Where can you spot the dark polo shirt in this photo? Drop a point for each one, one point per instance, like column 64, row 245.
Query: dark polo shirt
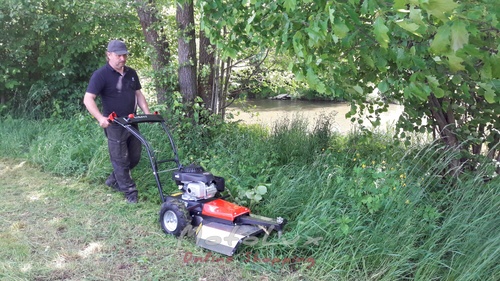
column 117, row 92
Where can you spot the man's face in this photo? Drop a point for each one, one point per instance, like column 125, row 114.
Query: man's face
column 117, row 61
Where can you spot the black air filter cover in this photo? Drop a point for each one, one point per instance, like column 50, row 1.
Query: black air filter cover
column 192, row 169
column 193, row 173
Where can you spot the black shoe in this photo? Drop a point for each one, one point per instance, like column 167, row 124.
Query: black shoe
column 111, row 182
column 131, row 198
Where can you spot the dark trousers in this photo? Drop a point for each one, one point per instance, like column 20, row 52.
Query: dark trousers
column 124, row 153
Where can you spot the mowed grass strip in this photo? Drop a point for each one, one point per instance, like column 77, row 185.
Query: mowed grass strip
column 60, row 229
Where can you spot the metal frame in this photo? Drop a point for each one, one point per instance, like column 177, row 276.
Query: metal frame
column 127, row 122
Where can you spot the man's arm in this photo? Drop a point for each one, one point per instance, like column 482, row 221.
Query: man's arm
column 141, row 101
column 91, row 105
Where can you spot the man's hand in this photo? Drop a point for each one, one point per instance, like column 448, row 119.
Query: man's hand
column 103, row 122
column 90, row 104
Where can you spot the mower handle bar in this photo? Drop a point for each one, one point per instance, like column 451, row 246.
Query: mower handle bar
column 127, row 122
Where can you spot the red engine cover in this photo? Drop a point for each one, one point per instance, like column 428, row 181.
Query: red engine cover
column 223, row 210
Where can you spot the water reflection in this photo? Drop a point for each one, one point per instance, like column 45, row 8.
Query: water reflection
column 268, row 112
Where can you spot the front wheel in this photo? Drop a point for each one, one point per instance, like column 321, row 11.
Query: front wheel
column 174, row 217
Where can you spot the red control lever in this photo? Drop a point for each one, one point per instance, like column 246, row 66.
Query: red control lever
column 112, row 117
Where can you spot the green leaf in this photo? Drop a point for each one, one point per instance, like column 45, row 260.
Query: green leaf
column 455, row 63
column 249, row 194
column 441, row 40
column 417, row 92
column 261, row 189
column 257, row 197
column 459, row 35
column 434, row 84
column 432, row 80
column 486, row 70
column 340, row 29
column 416, row 16
column 358, row 89
column 383, row 86
column 400, row 4
column 495, row 65
column 11, row 84
column 489, row 93
column 314, row 82
column 439, row 8
column 381, row 31
column 409, row 26
column 230, row 52
column 368, row 59
column 290, row 5
column 298, row 44
column 344, row 228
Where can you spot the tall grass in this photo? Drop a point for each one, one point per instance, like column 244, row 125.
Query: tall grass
column 390, row 220
column 18, row 135
column 361, row 207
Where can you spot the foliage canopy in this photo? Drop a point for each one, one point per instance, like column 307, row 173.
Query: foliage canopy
column 48, row 50
column 439, row 58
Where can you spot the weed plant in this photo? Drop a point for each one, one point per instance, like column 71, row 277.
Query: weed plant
column 360, row 207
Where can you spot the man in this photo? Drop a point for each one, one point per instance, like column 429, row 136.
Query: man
column 120, row 91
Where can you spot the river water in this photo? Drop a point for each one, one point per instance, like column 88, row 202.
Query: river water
column 268, row 112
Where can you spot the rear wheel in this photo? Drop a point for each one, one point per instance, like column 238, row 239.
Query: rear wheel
column 174, row 217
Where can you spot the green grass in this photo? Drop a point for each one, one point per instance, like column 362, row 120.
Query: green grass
column 359, row 207
column 61, row 229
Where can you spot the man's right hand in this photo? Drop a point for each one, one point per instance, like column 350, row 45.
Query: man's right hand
column 90, row 104
column 103, row 122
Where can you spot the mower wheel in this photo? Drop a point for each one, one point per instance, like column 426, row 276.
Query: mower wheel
column 174, row 217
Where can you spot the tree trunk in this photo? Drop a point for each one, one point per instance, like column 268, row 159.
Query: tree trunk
column 148, row 17
column 186, row 52
column 206, row 72
column 225, row 86
column 446, row 127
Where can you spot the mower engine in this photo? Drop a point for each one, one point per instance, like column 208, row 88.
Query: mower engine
column 194, row 191
column 197, row 184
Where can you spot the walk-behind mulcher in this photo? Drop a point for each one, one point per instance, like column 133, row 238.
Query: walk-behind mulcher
column 199, row 209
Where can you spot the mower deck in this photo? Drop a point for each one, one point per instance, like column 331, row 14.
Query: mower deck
column 224, row 238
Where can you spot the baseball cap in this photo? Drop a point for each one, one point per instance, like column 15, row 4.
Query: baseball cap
column 117, row 47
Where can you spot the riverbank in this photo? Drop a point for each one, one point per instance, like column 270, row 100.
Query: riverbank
column 358, row 207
